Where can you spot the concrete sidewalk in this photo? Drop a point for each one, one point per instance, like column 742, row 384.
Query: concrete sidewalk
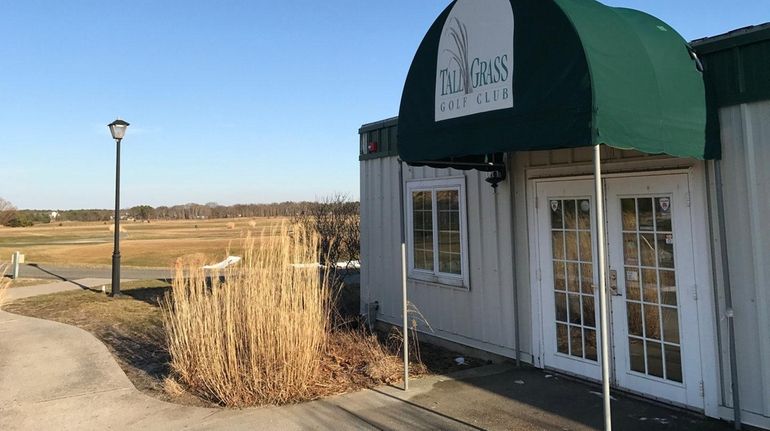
column 58, row 377
column 55, row 287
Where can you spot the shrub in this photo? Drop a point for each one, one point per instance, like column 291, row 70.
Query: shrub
column 19, row 221
column 257, row 334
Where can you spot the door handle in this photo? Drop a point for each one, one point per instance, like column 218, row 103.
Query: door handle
column 614, row 283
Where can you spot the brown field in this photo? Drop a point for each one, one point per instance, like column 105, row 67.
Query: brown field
column 155, row 244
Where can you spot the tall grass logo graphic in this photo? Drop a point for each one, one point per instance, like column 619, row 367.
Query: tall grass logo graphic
column 459, row 33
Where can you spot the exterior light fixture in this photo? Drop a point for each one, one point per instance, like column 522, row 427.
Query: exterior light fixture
column 496, row 177
column 118, row 129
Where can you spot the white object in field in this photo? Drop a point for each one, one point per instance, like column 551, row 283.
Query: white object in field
column 342, row 265
column 460, row 360
column 231, row 260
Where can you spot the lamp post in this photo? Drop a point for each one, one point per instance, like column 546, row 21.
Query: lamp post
column 117, row 130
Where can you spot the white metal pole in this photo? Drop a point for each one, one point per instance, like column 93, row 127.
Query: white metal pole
column 404, row 298
column 603, row 298
column 406, row 319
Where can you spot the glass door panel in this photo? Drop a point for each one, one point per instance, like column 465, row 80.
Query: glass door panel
column 572, row 264
column 653, row 325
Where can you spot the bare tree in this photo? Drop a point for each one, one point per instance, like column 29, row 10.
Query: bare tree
column 336, row 220
column 7, row 211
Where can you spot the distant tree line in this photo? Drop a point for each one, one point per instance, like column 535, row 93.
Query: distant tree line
column 215, row 210
column 10, row 216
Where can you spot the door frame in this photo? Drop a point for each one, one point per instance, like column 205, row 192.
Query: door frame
column 701, row 238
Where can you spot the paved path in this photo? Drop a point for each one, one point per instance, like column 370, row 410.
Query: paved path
column 65, row 273
column 55, row 287
column 42, row 270
column 58, row 377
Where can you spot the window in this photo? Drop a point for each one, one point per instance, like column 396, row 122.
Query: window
column 436, row 231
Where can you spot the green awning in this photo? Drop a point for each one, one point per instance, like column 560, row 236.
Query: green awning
column 580, row 74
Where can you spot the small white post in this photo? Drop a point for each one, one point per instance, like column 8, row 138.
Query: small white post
column 603, row 306
column 15, row 260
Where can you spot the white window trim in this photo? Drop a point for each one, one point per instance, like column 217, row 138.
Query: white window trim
column 433, row 185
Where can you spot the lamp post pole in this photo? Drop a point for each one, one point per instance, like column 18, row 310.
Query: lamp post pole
column 116, row 249
column 118, row 130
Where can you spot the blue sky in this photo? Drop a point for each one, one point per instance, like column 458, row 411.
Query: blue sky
column 229, row 101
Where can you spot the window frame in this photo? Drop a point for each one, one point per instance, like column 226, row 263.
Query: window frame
column 461, row 280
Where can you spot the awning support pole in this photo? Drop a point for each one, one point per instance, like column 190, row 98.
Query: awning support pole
column 729, row 314
column 403, row 274
column 603, row 306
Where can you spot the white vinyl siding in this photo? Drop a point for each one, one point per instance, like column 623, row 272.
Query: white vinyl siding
column 745, row 154
column 480, row 316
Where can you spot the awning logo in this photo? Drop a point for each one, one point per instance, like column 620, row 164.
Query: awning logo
column 460, row 59
column 475, row 59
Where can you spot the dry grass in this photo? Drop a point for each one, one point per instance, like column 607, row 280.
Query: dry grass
column 25, row 282
column 356, row 358
column 258, row 336
column 263, row 333
column 173, row 388
column 155, row 244
column 112, row 228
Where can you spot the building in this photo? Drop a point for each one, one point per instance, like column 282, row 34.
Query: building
column 493, row 153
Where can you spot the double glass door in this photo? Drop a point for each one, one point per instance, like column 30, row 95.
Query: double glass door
column 653, row 314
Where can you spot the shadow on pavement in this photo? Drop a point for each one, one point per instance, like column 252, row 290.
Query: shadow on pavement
column 532, row 397
column 82, row 286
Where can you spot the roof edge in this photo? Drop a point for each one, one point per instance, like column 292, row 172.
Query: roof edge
column 367, row 127
column 733, row 38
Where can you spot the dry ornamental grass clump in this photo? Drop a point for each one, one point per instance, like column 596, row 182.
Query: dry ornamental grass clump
column 257, row 334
